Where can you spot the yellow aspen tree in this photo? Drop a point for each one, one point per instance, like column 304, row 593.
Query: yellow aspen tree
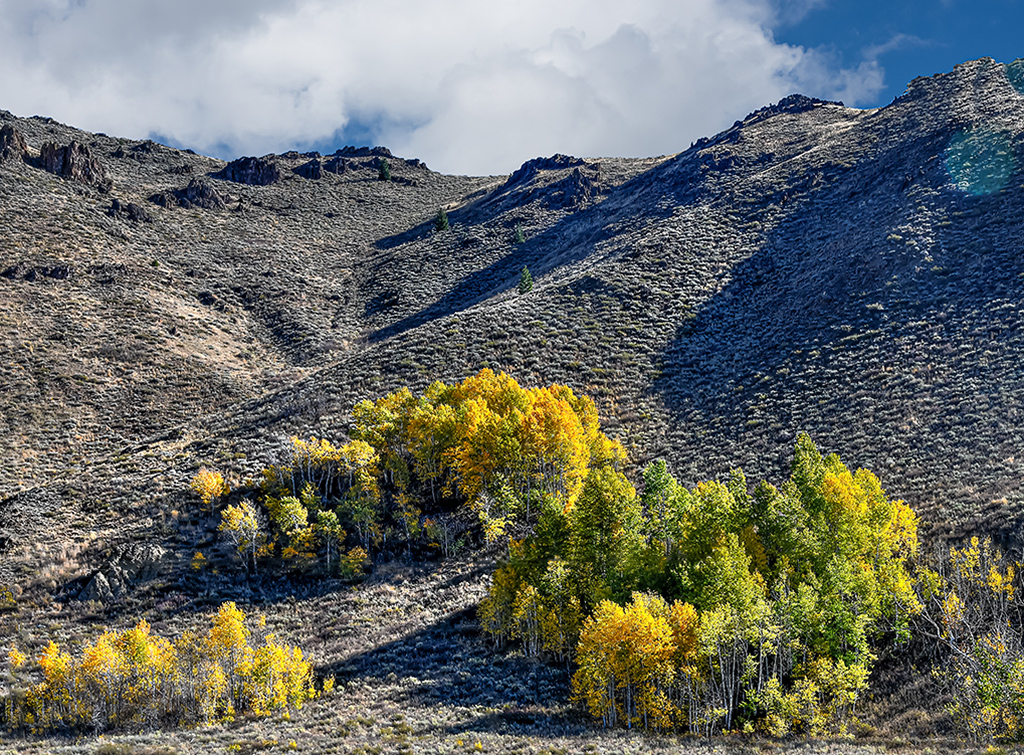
column 496, row 612
column 209, row 485
column 526, row 620
column 244, row 526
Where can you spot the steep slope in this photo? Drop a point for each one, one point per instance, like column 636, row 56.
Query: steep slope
column 855, row 274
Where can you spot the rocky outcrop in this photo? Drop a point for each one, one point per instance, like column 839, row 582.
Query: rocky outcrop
column 531, row 168
column 369, row 158
column 363, row 152
column 128, row 211
column 574, row 190
column 336, row 165
column 313, row 170
column 545, row 180
column 794, row 103
column 198, row 193
column 74, row 163
column 253, row 171
column 12, row 144
column 128, row 565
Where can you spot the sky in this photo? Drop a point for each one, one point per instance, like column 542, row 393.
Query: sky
column 470, row 86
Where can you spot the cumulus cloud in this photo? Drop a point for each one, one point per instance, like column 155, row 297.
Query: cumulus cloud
column 470, row 87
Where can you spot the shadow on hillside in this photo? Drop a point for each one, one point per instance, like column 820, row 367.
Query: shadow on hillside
column 450, row 663
column 838, row 326
column 569, row 240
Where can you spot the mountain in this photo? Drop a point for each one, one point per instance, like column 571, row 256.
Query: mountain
column 855, row 274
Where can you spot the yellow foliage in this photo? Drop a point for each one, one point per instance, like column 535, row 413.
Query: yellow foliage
column 244, row 525
column 208, row 485
column 975, row 610
column 487, row 439
column 136, row 678
column 625, row 663
column 351, row 563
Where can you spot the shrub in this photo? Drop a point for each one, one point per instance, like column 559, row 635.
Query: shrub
column 975, row 611
column 441, row 221
column 384, row 172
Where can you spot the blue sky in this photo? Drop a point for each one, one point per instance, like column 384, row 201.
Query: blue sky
column 469, row 86
column 908, row 39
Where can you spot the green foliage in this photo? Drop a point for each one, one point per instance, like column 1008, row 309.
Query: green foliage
column 717, row 606
column 441, row 221
column 520, row 236
column 525, row 281
column 318, row 492
column 975, row 611
column 384, row 173
column 134, row 678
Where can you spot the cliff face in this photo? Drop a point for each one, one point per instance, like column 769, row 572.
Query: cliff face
column 855, row 274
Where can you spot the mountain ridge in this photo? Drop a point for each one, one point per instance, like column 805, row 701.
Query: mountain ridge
column 814, row 267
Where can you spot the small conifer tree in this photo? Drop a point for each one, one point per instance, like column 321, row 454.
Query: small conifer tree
column 441, row 221
column 525, row 280
column 520, row 236
column 384, row 174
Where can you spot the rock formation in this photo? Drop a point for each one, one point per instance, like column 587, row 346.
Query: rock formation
column 254, row 171
column 129, row 211
column 74, row 163
column 128, row 565
column 312, row 170
column 198, row 193
column 12, row 145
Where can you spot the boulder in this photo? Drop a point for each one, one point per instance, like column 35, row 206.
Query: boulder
column 129, row 211
column 254, row 171
column 12, row 144
column 128, row 565
column 165, row 199
column 200, row 193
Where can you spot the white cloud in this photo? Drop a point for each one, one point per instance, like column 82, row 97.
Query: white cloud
column 468, row 86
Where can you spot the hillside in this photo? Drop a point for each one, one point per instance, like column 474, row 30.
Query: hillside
column 814, row 268
column 855, row 274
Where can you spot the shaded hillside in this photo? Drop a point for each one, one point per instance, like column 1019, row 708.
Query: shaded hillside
column 850, row 273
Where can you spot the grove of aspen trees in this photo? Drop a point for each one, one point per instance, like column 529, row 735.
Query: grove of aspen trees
column 716, row 608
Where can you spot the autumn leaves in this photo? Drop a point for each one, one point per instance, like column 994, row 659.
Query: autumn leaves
column 490, row 442
column 134, row 678
column 705, row 609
